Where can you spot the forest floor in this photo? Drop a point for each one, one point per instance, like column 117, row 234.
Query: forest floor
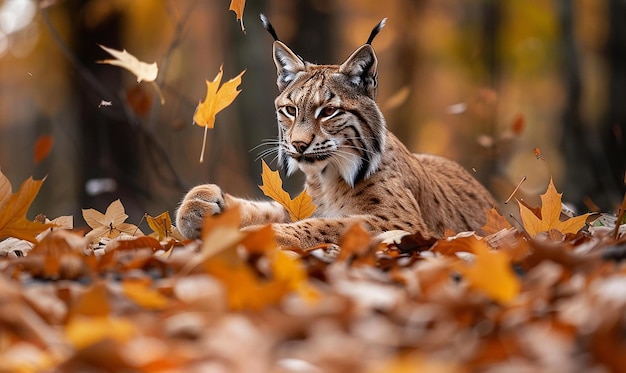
column 546, row 296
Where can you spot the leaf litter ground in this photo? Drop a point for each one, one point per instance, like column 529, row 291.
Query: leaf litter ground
column 498, row 300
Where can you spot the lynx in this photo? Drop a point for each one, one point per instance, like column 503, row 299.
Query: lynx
column 331, row 129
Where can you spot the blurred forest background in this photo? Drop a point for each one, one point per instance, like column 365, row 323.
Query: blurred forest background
column 509, row 88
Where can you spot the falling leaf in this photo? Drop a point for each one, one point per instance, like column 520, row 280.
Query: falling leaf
column 217, row 99
column 110, row 224
column 161, row 225
column 142, row 70
column 13, row 209
column 490, row 273
column 298, row 208
column 42, row 148
column 518, row 124
column 237, row 6
column 550, row 215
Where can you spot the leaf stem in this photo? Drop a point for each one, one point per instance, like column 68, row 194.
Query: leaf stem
column 206, row 128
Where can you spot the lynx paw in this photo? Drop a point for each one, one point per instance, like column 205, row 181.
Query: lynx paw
column 201, row 201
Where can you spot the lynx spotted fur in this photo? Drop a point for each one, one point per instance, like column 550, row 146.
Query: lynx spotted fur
column 330, row 128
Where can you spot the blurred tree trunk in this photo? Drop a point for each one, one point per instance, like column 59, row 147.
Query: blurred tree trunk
column 614, row 126
column 109, row 144
column 587, row 173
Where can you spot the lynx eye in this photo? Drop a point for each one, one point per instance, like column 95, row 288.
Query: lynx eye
column 289, row 111
column 328, row 112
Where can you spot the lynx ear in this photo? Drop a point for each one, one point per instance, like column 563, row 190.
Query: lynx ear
column 288, row 64
column 362, row 68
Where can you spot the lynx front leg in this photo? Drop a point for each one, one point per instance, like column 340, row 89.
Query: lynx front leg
column 317, row 231
column 208, row 199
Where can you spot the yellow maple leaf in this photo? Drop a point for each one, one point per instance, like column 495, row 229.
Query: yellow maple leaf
column 237, row 7
column 217, row 99
column 490, row 272
column 110, row 224
column 142, row 70
column 298, row 208
column 13, row 209
column 161, row 225
column 550, row 215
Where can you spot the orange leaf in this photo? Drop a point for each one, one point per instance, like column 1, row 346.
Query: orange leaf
column 495, row 222
column 13, row 209
column 42, row 148
column 237, row 7
column 550, row 215
column 490, row 273
column 83, row 332
column 217, row 99
column 142, row 294
column 298, row 208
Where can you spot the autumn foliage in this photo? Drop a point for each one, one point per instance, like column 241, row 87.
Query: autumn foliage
column 115, row 299
column 545, row 293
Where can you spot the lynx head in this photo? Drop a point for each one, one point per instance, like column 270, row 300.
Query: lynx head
column 328, row 120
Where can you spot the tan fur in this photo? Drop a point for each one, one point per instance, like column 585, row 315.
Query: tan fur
column 356, row 171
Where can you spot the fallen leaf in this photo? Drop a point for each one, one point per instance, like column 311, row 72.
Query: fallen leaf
column 495, row 222
column 298, row 208
column 237, row 6
column 550, row 215
column 217, row 99
column 42, row 148
column 110, row 224
column 142, row 70
column 490, row 273
column 13, row 209
column 161, row 225
column 141, row 293
column 83, row 332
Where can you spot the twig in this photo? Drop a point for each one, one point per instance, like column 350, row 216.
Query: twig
column 515, row 190
column 622, row 210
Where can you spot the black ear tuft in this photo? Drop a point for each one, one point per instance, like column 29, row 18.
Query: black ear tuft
column 375, row 30
column 268, row 26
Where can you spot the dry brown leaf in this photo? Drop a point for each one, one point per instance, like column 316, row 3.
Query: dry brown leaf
column 143, row 71
column 495, row 222
column 298, row 208
column 110, row 224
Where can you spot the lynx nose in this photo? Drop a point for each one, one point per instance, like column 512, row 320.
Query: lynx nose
column 300, row 146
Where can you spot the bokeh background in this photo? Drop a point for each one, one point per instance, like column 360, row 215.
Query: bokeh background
column 509, row 88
